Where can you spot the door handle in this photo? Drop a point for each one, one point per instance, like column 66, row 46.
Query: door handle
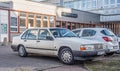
column 37, row 41
column 25, row 40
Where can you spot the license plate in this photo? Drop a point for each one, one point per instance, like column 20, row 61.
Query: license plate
column 101, row 53
column 115, row 47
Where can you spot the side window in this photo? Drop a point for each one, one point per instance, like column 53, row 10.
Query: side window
column 88, row 33
column 24, row 35
column 32, row 34
column 77, row 32
column 42, row 35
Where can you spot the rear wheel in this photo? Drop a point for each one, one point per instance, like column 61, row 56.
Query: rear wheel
column 66, row 56
column 22, row 51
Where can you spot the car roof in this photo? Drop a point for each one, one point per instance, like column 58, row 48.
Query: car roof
column 47, row 28
column 98, row 29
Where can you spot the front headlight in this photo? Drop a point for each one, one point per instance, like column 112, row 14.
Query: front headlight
column 87, row 47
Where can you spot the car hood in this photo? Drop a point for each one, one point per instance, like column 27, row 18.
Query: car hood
column 79, row 40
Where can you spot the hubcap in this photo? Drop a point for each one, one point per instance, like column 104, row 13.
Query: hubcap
column 66, row 56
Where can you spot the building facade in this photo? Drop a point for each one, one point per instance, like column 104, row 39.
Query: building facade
column 16, row 16
column 109, row 10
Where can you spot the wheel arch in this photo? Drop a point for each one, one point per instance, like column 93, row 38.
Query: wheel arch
column 62, row 47
column 19, row 46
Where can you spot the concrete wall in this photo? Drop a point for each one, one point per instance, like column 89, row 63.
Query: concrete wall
column 83, row 17
column 30, row 6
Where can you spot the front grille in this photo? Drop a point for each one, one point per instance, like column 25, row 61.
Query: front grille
column 98, row 46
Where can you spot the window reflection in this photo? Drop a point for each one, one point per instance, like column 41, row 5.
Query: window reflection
column 63, row 24
column 31, row 20
column 58, row 24
column 22, row 21
column 52, row 21
column 38, row 21
column 45, row 21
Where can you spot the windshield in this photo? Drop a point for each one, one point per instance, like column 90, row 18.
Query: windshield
column 107, row 32
column 57, row 33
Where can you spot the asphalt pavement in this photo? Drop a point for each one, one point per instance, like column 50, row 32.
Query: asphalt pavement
column 10, row 61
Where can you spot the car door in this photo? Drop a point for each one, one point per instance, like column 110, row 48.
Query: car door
column 88, row 34
column 29, row 40
column 44, row 44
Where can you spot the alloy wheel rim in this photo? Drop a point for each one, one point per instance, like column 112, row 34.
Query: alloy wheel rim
column 66, row 56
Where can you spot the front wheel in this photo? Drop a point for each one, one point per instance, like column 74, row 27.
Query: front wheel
column 66, row 56
column 22, row 52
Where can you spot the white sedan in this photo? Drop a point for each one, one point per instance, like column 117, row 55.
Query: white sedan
column 58, row 42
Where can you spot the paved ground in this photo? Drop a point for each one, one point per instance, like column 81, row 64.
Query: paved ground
column 10, row 61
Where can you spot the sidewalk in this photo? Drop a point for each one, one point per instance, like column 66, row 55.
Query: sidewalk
column 67, row 68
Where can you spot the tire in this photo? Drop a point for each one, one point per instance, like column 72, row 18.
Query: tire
column 109, row 54
column 66, row 56
column 22, row 51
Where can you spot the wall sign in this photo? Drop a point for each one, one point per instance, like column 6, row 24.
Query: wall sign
column 69, row 15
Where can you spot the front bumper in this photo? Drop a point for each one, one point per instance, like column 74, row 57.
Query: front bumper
column 14, row 48
column 84, row 55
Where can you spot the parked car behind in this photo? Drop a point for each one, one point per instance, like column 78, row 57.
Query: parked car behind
column 59, row 42
column 101, row 34
column 118, row 35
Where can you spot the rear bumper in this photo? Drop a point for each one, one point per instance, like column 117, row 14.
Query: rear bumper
column 114, row 49
column 14, row 48
column 85, row 55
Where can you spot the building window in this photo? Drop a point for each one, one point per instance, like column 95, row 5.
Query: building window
column 52, row 19
column 73, row 26
column 31, row 20
column 63, row 24
column 78, row 25
column 69, row 25
column 118, row 5
column 14, row 21
column 112, row 1
column 118, row 1
column 106, row 2
column 58, row 24
column 94, row 4
column 38, row 20
column 22, row 21
column 45, row 21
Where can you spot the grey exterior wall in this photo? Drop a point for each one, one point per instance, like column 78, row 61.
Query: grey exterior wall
column 83, row 17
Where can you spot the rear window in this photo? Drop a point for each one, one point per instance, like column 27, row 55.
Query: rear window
column 107, row 32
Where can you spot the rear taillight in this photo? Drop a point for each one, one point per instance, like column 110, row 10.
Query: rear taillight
column 107, row 39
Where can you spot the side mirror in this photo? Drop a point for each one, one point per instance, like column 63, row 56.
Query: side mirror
column 49, row 38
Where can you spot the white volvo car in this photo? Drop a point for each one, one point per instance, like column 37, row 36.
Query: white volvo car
column 59, row 42
column 100, row 34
